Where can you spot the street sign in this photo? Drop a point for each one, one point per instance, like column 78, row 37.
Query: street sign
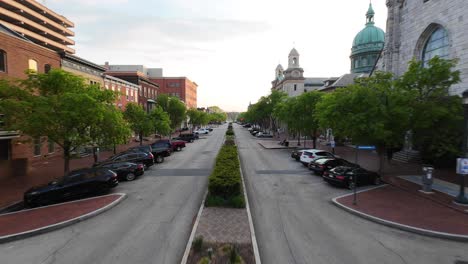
column 366, row 147
column 462, row 166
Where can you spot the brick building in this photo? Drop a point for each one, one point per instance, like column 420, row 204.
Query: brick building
column 90, row 71
column 18, row 54
column 128, row 91
column 148, row 90
column 180, row 87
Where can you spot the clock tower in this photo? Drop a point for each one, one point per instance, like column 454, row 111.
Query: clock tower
column 293, row 81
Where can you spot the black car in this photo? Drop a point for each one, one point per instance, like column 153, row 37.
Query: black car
column 131, row 155
column 77, row 183
column 157, row 154
column 344, row 176
column 296, row 154
column 187, row 137
column 126, row 170
column 323, row 164
column 161, row 149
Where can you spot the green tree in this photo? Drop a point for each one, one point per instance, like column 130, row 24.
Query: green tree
column 197, row 118
column 373, row 111
column 174, row 107
column 437, row 117
column 113, row 130
column 162, row 122
column 140, row 121
column 58, row 105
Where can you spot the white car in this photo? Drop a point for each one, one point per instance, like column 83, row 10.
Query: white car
column 309, row 155
column 201, row 131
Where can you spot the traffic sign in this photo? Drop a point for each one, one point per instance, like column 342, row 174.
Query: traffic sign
column 366, row 147
column 462, row 166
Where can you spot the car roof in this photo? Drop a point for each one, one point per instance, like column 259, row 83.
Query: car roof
column 323, row 160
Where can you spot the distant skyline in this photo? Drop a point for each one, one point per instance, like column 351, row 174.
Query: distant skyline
column 229, row 48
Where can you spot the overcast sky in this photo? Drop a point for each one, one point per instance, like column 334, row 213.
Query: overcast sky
column 230, row 48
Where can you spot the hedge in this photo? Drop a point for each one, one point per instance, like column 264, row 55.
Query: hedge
column 225, row 182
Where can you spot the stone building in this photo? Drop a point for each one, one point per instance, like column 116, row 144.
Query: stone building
column 422, row 29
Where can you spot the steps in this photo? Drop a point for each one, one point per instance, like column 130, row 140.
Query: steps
column 407, row 156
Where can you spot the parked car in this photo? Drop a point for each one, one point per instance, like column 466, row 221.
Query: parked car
column 247, row 125
column 134, row 155
column 296, row 154
column 344, row 176
column 210, row 129
column 161, row 149
column 187, row 137
column 177, row 145
column 264, row 135
column 75, row 184
column 201, row 131
column 254, row 132
column 312, row 154
column 126, row 170
column 319, row 166
column 143, row 148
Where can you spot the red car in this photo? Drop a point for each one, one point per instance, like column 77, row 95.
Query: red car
column 177, row 145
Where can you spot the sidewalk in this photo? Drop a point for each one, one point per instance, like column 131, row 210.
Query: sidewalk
column 43, row 219
column 395, row 207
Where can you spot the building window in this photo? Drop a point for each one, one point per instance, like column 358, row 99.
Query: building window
column 47, row 68
column 51, row 146
column 436, row 45
column 295, row 87
column 356, row 63
column 37, row 146
column 32, row 65
column 3, row 61
column 364, row 61
column 173, row 84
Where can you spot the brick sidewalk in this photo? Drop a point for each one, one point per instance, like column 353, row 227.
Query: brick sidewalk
column 224, row 225
column 396, row 205
column 20, row 222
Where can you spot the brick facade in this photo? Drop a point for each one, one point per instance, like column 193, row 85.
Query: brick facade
column 181, row 87
column 128, row 91
column 18, row 52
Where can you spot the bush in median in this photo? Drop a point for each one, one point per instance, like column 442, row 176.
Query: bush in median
column 225, row 183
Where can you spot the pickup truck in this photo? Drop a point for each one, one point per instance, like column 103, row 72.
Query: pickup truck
column 177, row 145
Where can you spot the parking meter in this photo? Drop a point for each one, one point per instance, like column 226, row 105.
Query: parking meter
column 427, row 179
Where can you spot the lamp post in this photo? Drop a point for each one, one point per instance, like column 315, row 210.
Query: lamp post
column 461, row 199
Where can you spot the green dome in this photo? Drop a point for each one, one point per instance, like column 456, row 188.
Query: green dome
column 367, row 45
column 369, row 35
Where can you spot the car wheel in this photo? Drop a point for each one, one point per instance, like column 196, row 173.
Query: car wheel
column 377, row 180
column 130, row 177
column 159, row 159
column 178, row 148
column 191, row 140
column 350, row 185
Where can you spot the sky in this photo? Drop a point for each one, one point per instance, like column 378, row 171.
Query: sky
column 230, row 48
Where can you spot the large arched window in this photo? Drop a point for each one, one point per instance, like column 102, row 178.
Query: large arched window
column 436, row 45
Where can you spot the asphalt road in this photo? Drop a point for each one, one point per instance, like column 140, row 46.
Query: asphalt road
column 151, row 226
column 295, row 221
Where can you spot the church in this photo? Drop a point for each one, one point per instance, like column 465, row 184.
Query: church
column 422, row 29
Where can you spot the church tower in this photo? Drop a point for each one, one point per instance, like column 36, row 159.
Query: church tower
column 293, row 59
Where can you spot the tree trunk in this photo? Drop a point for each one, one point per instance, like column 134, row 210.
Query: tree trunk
column 140, row 135
column 298, row 138
column 66, row 158
column 95, row 154
column 381, row 151
column 314, row 139
column 115, row 149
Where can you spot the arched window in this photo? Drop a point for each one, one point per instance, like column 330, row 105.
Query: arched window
column 3, row 61
column 294, row 61
column 32, row 65
column 47, row 68
column 436, row 45
column 356, row 63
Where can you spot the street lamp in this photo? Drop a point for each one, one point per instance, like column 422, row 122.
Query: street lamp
column 461, row 199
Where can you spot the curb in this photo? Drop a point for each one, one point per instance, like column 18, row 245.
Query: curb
column 63, row 224
column 276, row 147
column 194, row 230
column 420, row 231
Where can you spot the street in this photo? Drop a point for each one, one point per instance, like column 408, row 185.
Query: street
column 151, row 226
column 295, row 222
